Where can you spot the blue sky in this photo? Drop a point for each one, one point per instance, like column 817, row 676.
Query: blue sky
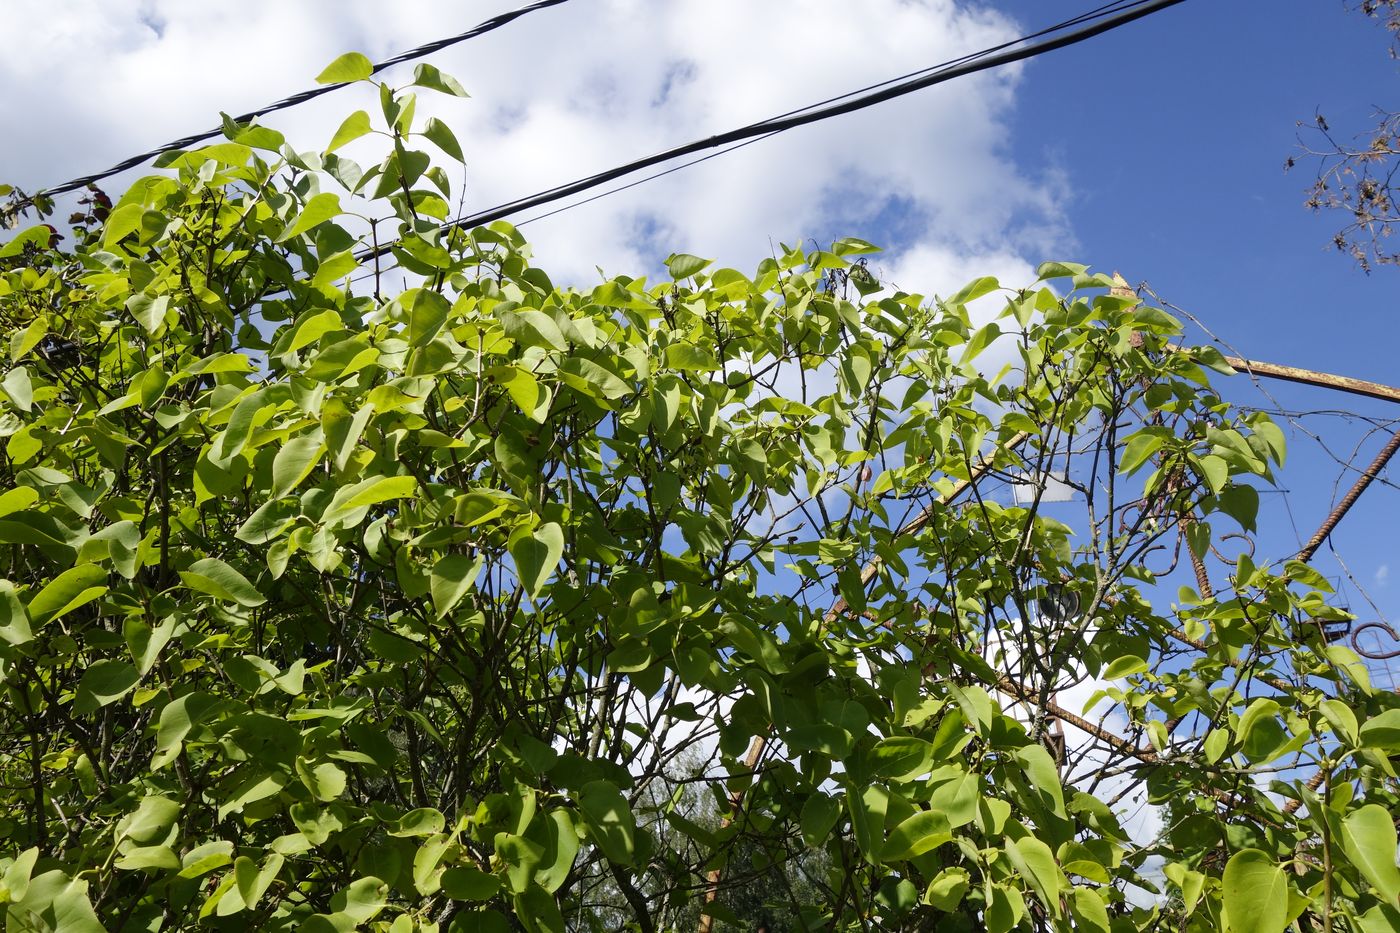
column 1156, row 150
column 1174, row 135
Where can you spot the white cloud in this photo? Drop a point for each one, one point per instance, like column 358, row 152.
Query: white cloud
column 1382, row 574
column 570, row 90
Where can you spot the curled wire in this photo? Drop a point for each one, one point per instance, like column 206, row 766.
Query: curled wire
column 1375, row 655
column 1174, row 552
column 1249, row 547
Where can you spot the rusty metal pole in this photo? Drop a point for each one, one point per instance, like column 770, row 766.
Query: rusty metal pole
column 1365, row 479
column 1309, row 377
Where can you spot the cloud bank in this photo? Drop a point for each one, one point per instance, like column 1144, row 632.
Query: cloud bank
column 574, row 89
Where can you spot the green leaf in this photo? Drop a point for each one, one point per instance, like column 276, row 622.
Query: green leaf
column 319, row 209
column 536, row 555
column 975, row 289
column 1191, row 882
column 1004, row 908
column 259, row 137
column 148, row 312
column 1255, row 893
column 1044, row 776
column 426, row 75
column 206, row 857
column 538, row 911
column 525, row 390
column 250, row 411
column 558, row 840
column 259, row 786
column 19, row 388
column 1089, row 912
column 14, row 618
column 980, row 341
column 469, row 884
column 819, row 816
column 1059, row 270
column 591, row 379
column 609, row 820
column 1215, row 471
column 531, row 328
column 325, row 780
column 103, row 683
column 294, row 462
column 145, row 643
column 253, row 881
column 429, row 313
column 946, row 890
column 1140, row 448
column 1259, row 731
column 452, row 578
column 1381, row 918
column 825, row 737
column 1382, row 732
column 354, row 126
column 1342, row 720
column 1369, row 840
column 67, row 591
column 1035, row 862
column 852, row 246
column 177, row 719
column 54, row 902
column 1241, row 503
column 1217, row 740
column 901, row 757
column 684, row 265
column 421, row 822
column 266, row 523
column 867, row 810
column 123, row 220
column 26, row 340
column 35, row 528
column 1124, row 666
column 314, row 327
column 20, row 497
column 688, row 357
column 366, row 493
column 149, row 858
column 343, row 430
column 362, row 900
column 976, row 706
column 521, row 858
column 333, row 268
column 920, row 833
column 213, row 577
column 352, row 66
column 1273, row 438
column 151, row 819
column 957, row 799
column 443, row 137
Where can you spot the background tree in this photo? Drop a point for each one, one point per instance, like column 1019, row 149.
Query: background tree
column 1358, row 177
column 487, row 604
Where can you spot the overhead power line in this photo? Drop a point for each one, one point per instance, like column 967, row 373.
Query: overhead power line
column 1093, row 25
column 1083, row 17
column 302, row 97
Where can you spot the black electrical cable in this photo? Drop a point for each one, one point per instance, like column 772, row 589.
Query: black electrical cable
column 1106, row 9
column 481, row 28
column 848, row 103
column 1083, row 17
column 646, row 178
